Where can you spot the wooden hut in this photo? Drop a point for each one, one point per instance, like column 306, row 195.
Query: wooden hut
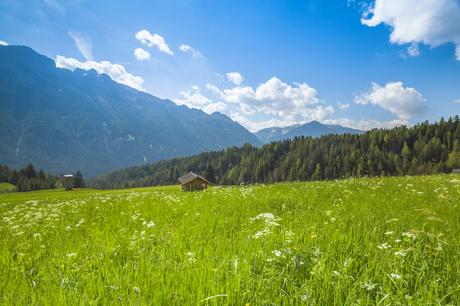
column 67, row 181
column 456, row 171
column 192, row 182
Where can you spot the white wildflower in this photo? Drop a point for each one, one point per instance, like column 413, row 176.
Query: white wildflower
column 389, row 233
column 384, row 246
column 409, row 235
column 395, row 276
column 277, row 253
column 401, row 253
column 150, row 224
column 71, row 254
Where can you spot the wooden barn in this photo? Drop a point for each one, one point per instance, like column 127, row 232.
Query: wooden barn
column 192, row 182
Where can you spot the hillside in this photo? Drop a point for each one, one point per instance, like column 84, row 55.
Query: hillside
column 312, row 129
column 346, row 242
column 422, row 149
column 63, row 121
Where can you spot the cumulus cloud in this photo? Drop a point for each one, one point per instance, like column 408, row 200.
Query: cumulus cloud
column 83, row 44
column 141, row 54
column 191, row 50
column 431, row 22
column 404, row 102
column 3, row 43
column 117, row 72
column 367, row 124
column 235, row 77
column 153, row 40
column 343, row 106
column 272, row 102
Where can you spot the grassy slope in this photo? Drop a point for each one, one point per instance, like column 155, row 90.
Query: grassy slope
column 6, row 187
column 342, row 242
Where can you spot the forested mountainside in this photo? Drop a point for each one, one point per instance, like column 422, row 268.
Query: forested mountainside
column 422, row 149
column 63, row 121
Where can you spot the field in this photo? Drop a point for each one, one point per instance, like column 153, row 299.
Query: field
column 354, row 241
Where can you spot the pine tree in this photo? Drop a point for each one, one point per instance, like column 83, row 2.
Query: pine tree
column 78, row 181
column 453, row 160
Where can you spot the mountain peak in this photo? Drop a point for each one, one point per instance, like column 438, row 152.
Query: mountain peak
column 313, row 129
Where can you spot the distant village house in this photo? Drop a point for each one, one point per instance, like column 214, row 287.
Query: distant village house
column 192, row 182
column 457, row 171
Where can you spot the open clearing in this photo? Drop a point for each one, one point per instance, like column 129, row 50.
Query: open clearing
column 354, row 241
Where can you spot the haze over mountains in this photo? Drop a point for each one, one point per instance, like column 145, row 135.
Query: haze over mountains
column 313, row 129
column 65, row 120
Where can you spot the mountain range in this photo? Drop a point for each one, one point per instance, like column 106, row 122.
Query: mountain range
column 313, row 129
column 64, row 121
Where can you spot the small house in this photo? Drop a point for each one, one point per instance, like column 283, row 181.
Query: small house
column 456, row 171
column 192, row 182
column 67, row 181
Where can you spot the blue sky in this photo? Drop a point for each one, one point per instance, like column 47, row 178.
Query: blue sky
column 263, row 63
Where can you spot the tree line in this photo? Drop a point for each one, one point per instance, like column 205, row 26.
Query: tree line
column 422, row 149
column 28, row 179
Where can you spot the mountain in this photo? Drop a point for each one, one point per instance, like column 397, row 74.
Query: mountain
column 64, row 121
column 313, row 129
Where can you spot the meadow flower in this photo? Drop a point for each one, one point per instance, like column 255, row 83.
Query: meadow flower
column 136, row 290
column 368, row 286
column 150, row 224
column 401, row 253
column 397, row 240
column 71, row 254
column 384, row 246
column 191, row 257
column 395, row 276
column 277, row 253
column 389, row 233
column 409, row 235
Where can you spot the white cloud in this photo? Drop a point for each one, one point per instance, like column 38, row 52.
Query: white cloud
column 367, row 124
column 272, row 102
column 141, row 54
column 413, row 50
column 432, row 22
column 153, row 40
column 83, row 44
column 457, row 101
column 3, row 43
column 343, row 106
column 235, row 77
column 404, row 102
column 193, row 98
column 191, row 50
column 117, row 72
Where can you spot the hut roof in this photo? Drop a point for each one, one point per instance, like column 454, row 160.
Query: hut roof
column 190, row 177
column 68, row 175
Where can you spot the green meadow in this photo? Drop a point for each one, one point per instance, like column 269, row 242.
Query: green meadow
column 370, row 241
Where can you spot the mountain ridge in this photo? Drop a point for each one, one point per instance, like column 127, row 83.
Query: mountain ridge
column 313, row 129
column 63, row 120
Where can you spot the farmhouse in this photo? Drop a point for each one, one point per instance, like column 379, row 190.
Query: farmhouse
column 192, row 181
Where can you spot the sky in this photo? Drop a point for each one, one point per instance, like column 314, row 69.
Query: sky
column 362, row 64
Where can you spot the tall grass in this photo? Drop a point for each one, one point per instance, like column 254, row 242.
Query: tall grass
column 354, row 241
